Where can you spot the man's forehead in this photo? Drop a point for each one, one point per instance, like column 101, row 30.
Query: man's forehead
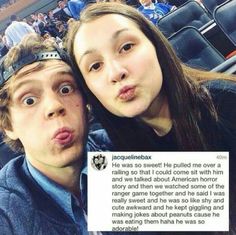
column 58, row 65
column 38, row 72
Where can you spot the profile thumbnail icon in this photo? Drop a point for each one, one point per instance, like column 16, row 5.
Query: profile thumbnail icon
column 99, row 162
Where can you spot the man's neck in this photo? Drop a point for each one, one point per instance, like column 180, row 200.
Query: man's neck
column 68, row 177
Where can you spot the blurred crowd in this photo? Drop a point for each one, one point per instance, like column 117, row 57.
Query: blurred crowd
column 5, row 4
column 54, row 23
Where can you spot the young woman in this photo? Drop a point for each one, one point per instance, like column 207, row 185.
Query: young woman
column 129, row 68
column 142, row 94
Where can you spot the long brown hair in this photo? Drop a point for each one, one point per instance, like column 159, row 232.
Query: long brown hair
column 189, row 102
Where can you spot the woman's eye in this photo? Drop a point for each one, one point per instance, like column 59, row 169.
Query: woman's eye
column 29, row 101
column 95, row 67
column 127, row 47
column 66, row 89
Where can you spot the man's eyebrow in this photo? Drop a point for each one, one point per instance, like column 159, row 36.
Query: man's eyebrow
column 64, row 72
column 22, row 83
column 114, row 36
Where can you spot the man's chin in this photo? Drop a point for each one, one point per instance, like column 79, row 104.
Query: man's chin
column 75, row 156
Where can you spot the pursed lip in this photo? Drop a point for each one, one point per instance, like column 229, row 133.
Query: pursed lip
column 126, row 92
column 63, row 136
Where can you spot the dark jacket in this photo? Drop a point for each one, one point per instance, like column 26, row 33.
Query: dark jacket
column 25, row 208
column 61, row 15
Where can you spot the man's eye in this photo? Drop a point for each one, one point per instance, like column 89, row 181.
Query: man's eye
column 95, row 67
column 29, row 101
column 127, row 47
column 66, row 89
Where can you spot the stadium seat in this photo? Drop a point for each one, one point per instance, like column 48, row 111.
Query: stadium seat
column 194, row 49
column 177, row 3
column 189, row 14
column 210, row 5
column 229, row 66
column 225, row 16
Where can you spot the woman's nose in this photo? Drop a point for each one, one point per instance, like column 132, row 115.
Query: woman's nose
column 117, row 72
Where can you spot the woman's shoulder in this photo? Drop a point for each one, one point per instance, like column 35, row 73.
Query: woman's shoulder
column 223, row 93
column 219, row 87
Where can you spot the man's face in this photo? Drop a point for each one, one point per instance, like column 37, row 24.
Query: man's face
column 145, row 2
column 50, row 13
column 47, row 115
column 34, row 17
column 40, row 16
column 61, row 4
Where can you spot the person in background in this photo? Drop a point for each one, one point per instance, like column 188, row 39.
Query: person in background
column 35, row 23
column 3, row 47
column 64, row 13
column 42, row 23
column 51, row 16
column 61, row 29
column 154, row 11
column 16, row 31
column 46, row 24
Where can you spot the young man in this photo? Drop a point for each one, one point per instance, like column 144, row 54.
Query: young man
column 63, row 12
column 42, row 112
column 16, row 31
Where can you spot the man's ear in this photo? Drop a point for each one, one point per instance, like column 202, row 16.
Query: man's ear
column 11, row 134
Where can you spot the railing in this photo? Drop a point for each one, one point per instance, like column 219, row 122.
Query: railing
column 14, row 8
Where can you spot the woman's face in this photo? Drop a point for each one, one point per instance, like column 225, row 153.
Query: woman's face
column 119, row 64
